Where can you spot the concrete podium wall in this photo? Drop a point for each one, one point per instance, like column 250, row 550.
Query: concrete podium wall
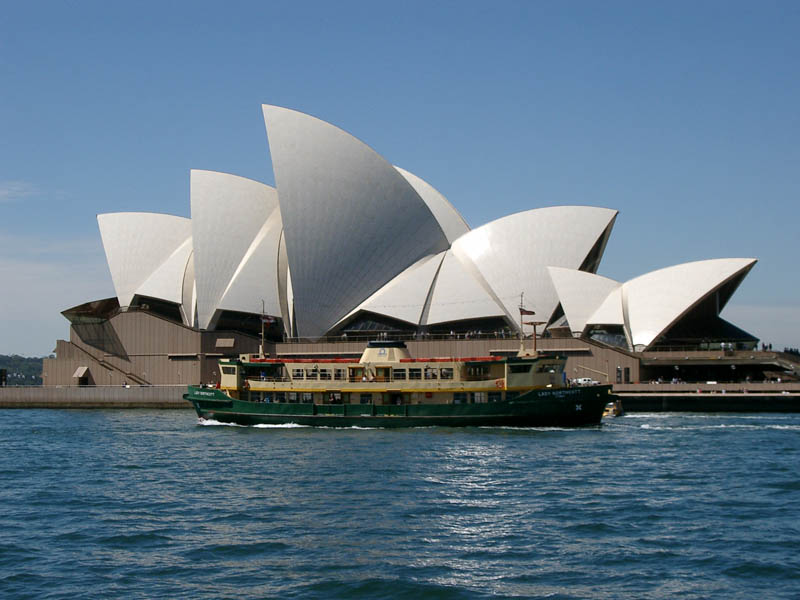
column 162, row 396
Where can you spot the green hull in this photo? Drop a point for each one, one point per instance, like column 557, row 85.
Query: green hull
column 566, row 407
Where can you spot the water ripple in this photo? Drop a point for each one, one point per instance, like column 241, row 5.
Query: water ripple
column 140, row 504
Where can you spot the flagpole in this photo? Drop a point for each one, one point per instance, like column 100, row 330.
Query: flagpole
column 522, row 312
column 262, row 329
column 521, row 328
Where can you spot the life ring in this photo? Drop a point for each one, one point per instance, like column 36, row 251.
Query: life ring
column 498, row 383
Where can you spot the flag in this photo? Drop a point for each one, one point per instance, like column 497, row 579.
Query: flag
column 524, row 311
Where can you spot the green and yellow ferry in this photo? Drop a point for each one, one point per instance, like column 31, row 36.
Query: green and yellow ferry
column 388, row 388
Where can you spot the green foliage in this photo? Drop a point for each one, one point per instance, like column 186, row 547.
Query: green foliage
column 22, row 370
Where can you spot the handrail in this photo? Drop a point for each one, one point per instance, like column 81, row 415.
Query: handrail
column 405, row 336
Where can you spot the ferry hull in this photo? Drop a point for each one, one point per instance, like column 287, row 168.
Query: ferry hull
column 563, row 407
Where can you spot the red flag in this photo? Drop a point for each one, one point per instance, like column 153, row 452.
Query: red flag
column 524, row 311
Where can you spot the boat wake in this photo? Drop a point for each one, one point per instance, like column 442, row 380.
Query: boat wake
column 214, row 423
column 710, row 415
column 733, row 426
column 513, row 428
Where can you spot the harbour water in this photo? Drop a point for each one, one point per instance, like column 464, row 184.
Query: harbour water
column 152, row 504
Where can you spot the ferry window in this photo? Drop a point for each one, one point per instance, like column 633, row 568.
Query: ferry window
column 519, row 368
column 308, row 397
column 399, row 374
column 495, row 396
column 267, row 397
column 478, row 397
column 512, row 395
column 297, row 373
column 431, row 373
column 447, row 373
column 229, row 370
column 325, row 374
column 338, row 374
column 292, row 396
column 415, row 373
column 459, row 398
column 311, row 373
column 549, row 369
column 280, row 396
column 255, row 396
column 479, row 371
column 366, row 398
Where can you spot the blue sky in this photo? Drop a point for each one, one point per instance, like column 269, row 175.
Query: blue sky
column 682, row 115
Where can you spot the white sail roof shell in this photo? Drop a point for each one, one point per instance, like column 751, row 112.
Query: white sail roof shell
column 167, row 281
column 347, row 231
column 581, row 295
column 656, row 300
column 610, row 311
column 458, row 295
column 450, row 220
column 236, row 230
column 405, row 296
column 511, row 254
column 256, row 278
column 136, row 245
column 352, row 221
column 435, row 289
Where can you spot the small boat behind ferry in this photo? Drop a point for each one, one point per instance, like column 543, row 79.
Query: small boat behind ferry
column 386, row 387
column 614, row 409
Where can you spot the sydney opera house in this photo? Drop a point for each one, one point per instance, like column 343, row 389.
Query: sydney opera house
column 347, row 247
